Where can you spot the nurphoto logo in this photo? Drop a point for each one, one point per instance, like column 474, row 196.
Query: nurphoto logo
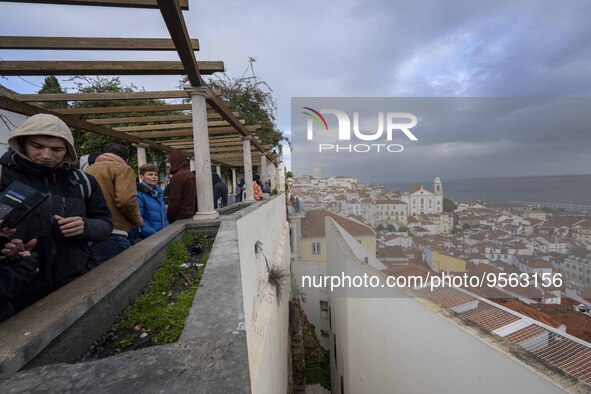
column 395, row 122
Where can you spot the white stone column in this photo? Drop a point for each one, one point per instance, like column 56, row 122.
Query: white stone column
column 192, row 164
column 206, row 209
column 233, row 180
column 141, row 155
column 247, row 169
column 263, row 172
column 273, row 175
column 218, row 169
column 281, row 177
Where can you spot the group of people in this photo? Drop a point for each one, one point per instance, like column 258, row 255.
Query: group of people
column 258, row 188
column 88, row 217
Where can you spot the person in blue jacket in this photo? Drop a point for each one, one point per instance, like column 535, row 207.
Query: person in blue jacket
column 151, row 202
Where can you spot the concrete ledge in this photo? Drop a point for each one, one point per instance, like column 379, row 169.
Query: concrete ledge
column 221, row 294
column 212, row 354
column 105, row 291
column 210, row 365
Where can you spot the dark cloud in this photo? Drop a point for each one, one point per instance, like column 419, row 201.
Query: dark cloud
column 457, row 138
column 518, row 48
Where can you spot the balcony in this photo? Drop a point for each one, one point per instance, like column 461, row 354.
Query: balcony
column 235, row 338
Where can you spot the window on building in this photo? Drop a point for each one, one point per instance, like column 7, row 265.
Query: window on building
column 324, row 333
column 315, row 247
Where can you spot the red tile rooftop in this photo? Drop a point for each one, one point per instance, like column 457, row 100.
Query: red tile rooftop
column 391, row 237
column 409, row 270
column 539, row 263
column 521, row 335
column 415, row 189
column 529, row 311
column 313, row 224
column 449, row 297
column 489, row 317
column 391, row 252
column 569, row 356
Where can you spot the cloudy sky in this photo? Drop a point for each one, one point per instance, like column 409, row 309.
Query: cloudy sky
column 358, row 48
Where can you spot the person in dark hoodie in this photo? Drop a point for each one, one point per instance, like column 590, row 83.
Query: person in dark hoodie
column 41, row 155
column 220, row 191
column 17, row 269
column 182, row 197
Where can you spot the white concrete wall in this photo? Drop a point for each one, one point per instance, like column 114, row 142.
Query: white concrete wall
column 266, row 320
column 312, row 295
column 390, row 344
column 9, row 121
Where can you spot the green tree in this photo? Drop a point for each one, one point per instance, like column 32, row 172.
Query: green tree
column 52, row 85
column 449, row 205
column 253, row 98
column 87, row 142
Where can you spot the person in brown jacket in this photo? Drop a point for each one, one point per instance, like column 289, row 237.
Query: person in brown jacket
column 182, row 196
column 117, row 181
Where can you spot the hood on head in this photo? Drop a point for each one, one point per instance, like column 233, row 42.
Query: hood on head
column 177, row 161
column 215, row 178
column 44, row 125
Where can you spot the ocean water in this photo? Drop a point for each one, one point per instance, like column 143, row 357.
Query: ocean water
column 565, row 189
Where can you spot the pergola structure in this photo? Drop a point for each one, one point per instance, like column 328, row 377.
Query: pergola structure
column 206, row 130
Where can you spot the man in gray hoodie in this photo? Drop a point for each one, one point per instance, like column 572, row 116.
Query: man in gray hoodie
column 41, row 155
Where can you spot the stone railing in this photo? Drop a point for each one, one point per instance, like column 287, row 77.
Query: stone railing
column 234, row 329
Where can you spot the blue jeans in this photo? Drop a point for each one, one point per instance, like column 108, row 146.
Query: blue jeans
column 108, row 248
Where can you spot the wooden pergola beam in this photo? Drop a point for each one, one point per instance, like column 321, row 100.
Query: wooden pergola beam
column 220, row 106
column 48, row 67
column 184, row 133
column 152, row 119
column 125, row 109
column 256, row 157
column 212, row 141
column 238, row 150
column 184, row 4
column 14, row 105
column 107, row 96
column 53, row 97
column 173, row 17
column 90, row 43
column 224, row 139
column 168, row 126
column 211, row 145
column 163, row 134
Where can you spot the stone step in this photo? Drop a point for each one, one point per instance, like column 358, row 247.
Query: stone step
column 316, row 389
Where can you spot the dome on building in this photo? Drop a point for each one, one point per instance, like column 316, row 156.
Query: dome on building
column 316, row 172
